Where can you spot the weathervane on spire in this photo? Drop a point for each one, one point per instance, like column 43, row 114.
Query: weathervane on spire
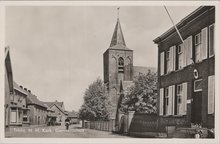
column 118, row 11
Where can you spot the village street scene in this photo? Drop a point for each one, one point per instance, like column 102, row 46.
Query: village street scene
column 110, row 72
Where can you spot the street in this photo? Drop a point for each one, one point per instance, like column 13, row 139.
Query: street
column 75, row 131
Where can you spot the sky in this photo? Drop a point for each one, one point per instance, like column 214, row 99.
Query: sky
column 57, row 51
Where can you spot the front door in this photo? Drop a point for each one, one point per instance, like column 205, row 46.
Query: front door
column 197, row 108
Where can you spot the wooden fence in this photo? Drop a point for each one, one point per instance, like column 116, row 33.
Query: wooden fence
column 136, row 122
column 100, row 125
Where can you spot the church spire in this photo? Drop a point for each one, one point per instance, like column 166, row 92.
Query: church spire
column 117, row 37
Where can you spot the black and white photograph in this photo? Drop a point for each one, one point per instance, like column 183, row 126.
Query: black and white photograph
column 113, row 71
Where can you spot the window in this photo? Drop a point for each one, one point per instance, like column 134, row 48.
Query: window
column 19, row 116
column 179, row 98
column 198, row 47
column 24, row 101
column 211, row 41
column 162, row 63
column 161, row 101
column 168, row 61
column 121, row 65
column 180, row 56
column 198, row 85
column 166, row 100
column 13, row 116
column 35, row 119
column 25, row 119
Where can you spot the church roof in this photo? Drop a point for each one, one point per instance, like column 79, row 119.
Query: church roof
column 137, row 70
column 118, row 41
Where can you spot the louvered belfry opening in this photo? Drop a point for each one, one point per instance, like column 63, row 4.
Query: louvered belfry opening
column 121, row 65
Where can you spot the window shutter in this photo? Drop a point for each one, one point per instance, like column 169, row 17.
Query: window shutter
column 184, row 99
column 211, row 94
column 162, row 63
column 161, row 101
column 188, row 46
column 173, row 99
column 184, row 53
column 211, row 40
column 170, row 101
column 173, row 58
column 204, row 43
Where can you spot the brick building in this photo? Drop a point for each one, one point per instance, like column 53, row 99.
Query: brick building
column 118, row 67
column 186, row 71
column 20, row 95
column 38, row 111
column 15, row 97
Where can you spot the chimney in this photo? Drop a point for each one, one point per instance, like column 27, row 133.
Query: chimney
column 25, row 89
column 29, row 91
column 21, row 86
column 55, row 100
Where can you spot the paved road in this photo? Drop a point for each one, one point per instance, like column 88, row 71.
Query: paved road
column 59, row 132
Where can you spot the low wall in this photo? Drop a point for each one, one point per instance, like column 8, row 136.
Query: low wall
column 142, row 122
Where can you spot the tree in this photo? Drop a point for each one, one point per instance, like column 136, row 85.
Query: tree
column 141, row 97
column 96, row 103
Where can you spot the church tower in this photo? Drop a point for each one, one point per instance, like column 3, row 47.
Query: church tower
column 118, row 65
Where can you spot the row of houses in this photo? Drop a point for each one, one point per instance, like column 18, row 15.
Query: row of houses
column 23, row 108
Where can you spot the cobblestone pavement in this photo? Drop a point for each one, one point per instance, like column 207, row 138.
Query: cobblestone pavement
column 58, row 132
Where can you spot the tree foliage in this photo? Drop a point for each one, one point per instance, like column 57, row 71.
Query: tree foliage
column 141, row 97
column 96, row 103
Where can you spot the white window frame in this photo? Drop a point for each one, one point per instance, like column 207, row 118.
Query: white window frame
column 13, row 116
column 166, row 99
column 162, row 63
column 194, row 88
column 179, row 96
column 168, row 61
column 212, row 25
column 180, row 53
column 198, row 45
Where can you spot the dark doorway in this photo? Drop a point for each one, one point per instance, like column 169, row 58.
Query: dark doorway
column 38, row 121
column 197, row 107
